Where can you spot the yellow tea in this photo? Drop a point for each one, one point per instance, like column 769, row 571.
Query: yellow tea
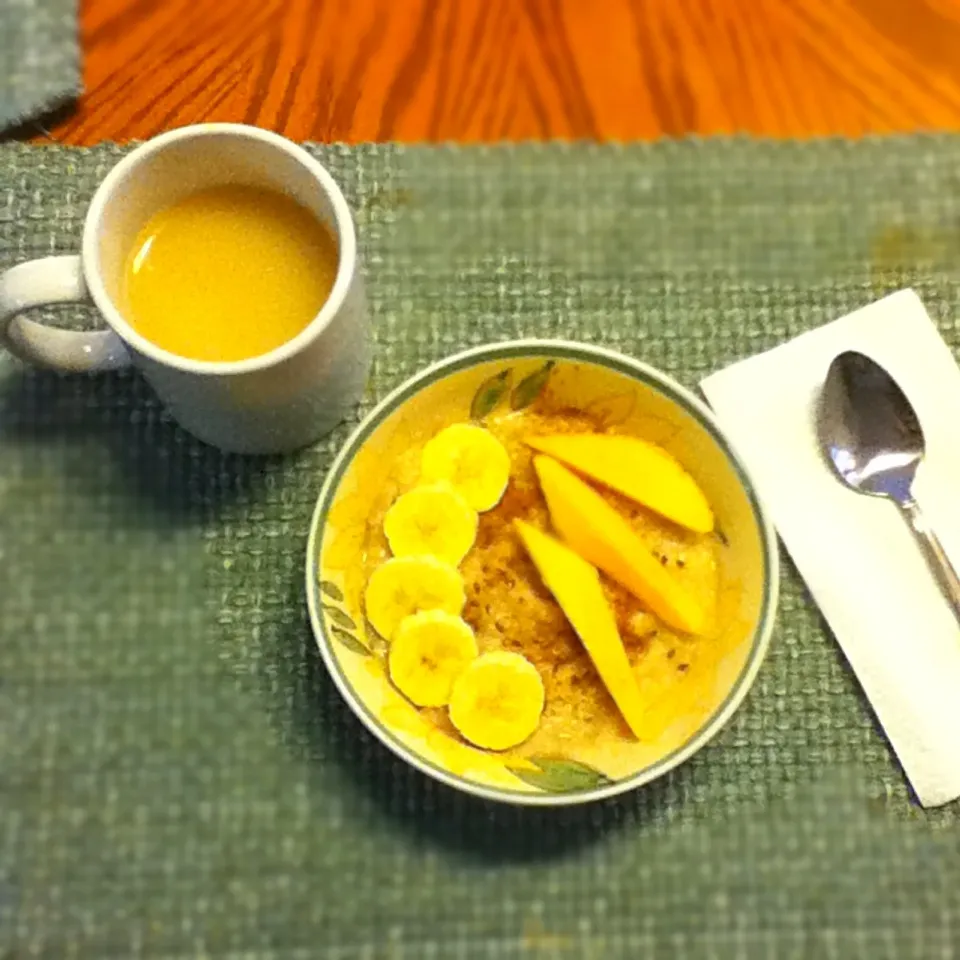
column 228, row 273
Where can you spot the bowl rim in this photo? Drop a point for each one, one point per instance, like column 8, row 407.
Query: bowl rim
column 574, row 351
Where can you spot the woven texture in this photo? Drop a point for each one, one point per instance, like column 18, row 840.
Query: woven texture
column 179, row 776
column 39, row 58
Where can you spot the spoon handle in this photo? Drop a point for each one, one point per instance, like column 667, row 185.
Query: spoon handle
column 936, row 556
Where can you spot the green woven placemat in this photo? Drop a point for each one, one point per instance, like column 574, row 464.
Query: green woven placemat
column 39, row 58
column 179, row 777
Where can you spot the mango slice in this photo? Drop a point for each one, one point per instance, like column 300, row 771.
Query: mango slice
column 639, row 470
column 604, row 538
column 576, row 586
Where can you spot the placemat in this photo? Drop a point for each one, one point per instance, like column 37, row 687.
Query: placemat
column 179, row 776
column 39, row 58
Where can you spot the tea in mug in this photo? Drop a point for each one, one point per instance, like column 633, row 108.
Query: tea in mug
column 228, row 273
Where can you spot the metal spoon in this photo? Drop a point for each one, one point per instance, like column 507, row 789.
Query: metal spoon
column 870, row 433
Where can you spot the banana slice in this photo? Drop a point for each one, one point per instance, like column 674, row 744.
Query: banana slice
column 406, row 585
column 431, row 521
column 497, row 701
column 472, row 460
column 429, row 651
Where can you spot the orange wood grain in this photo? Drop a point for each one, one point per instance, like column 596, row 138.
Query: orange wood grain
column 487, row 70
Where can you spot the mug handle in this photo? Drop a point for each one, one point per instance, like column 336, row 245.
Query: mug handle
column 37, row 283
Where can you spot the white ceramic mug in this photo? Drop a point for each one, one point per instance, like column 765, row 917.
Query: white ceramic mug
column 279, row 401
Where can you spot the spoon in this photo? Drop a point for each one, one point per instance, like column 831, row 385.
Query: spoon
column 870, row 433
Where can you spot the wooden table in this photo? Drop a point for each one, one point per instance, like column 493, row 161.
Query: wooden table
column 471, row 70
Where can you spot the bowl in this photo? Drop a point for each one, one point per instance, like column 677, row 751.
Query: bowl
column 381, row 459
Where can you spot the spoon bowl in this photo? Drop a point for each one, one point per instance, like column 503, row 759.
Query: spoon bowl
column 869, row 429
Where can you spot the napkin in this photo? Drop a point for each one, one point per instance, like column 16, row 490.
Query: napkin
column 855, row 552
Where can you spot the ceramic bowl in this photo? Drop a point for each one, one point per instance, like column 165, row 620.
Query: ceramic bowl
column 617, row 390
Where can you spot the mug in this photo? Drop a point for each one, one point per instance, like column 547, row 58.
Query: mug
column 272, row 403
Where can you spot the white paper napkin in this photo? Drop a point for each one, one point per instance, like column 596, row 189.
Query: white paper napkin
column 860, row 561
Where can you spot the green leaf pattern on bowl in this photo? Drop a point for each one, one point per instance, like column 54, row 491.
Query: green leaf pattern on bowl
column 349, row 640
column 531, row 386
column 489, row 394
column 556, row 775
column 340, row 624
column 340, row 617
column 329, row 589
